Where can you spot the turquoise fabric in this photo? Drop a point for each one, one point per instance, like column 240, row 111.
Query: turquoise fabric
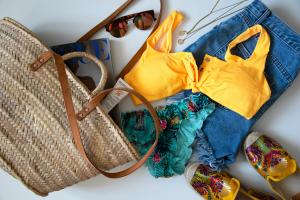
column 186, row 135
column 179, row 121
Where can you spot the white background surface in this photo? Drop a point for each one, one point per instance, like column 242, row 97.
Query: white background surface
column 58, row 21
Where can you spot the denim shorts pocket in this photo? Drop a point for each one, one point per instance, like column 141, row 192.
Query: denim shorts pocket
column 282, row 71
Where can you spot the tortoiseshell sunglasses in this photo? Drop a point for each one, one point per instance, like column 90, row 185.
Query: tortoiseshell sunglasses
column 142, row 20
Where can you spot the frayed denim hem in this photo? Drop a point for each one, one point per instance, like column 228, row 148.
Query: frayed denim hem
column 203, row 153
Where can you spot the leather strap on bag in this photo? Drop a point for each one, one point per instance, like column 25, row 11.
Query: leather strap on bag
column 90, row 106
column 94, row 102
column 139, row 53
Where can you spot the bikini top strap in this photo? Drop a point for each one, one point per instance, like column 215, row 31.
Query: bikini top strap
column 262, row 45
column 161, row 39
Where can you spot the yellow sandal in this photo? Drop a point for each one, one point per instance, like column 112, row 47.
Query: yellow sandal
column 212, row 185
column 269, row 159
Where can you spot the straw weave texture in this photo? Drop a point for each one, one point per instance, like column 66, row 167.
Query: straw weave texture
column 36, row 143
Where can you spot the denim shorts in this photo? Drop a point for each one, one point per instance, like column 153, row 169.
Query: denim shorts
column 225, row 129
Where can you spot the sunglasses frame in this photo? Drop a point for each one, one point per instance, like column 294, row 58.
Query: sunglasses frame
column 126, row 18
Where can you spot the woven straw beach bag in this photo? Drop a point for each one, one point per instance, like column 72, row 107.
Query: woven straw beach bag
column 43, row 142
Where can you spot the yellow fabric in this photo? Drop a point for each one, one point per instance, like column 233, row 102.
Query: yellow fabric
column 230, row 189
column 235, row 83
column 279, row 172
column 282, row 170
column 159, row 73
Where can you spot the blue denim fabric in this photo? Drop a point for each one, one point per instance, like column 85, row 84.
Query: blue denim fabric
column 225, row 130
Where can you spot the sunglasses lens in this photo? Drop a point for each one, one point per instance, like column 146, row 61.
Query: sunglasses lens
column 143, row 21
column 118, row 29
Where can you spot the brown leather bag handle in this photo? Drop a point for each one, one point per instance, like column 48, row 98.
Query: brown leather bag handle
column 94, row 102
column 90, row 106
column 63, row 79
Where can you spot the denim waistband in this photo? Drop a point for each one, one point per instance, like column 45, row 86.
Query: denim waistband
column 255, row 13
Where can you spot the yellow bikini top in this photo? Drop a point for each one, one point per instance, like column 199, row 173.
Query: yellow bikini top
column 159, row 73
column 235, row 83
